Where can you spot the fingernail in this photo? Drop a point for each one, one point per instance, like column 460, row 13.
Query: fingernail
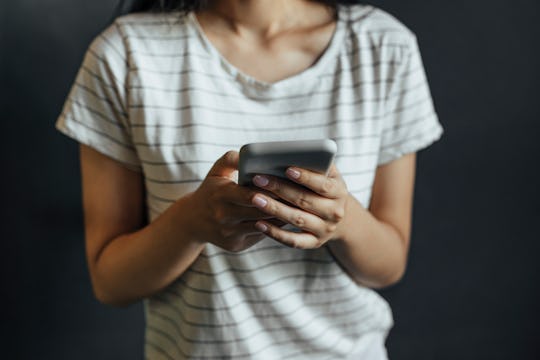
column 260, row 180
column 261, row 227
column 259, row 201
column 295, row 174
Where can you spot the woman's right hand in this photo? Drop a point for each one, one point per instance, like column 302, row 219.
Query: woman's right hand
column 223, row 212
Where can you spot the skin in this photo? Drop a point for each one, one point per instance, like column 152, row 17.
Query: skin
column 129, row 259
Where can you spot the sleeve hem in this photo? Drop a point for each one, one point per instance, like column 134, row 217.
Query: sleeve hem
column 104, row 147
column 418, row 143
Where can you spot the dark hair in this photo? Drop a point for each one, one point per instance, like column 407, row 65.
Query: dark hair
column 186, row 6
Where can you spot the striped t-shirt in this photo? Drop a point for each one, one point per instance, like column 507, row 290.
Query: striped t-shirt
column 154, row 94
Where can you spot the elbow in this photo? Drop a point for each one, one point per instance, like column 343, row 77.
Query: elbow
column 107, row 293
column 394, row 271
column 390, row 279
column 383, row 280
column 108, row 298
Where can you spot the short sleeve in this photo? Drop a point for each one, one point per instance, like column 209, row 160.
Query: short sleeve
column 95, row 113
column 410, row 121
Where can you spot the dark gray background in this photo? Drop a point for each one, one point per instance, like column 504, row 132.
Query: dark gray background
column 472, row 287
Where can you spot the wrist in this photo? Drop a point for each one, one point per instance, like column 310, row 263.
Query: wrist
column 187, row 219
column 340, row 234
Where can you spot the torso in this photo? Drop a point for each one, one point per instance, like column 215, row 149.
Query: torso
column 190, row 99
column 187, row 101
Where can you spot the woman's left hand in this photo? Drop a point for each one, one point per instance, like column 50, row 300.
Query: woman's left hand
column 312, row 202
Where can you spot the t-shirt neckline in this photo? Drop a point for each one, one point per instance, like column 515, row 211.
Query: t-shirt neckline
column 302, row 78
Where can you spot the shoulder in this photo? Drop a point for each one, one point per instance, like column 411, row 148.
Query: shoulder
column 369, row 24
column 149, row 25
column 139, row 31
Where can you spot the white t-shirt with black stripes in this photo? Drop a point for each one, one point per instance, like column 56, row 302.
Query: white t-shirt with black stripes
column 154, row 94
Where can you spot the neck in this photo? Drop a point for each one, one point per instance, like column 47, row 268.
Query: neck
column 265, row 17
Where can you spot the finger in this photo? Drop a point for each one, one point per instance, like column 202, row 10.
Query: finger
column 303, row 240
column 225, row 165
column 235, row 214
column 241, row 195
column 241, row 237
column 276, row 222
column 298, row 196
column 331, row 186
column 240, row 230
column 291, row 215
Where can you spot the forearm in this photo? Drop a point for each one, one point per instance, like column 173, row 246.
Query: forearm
column 373, row 252
column 136, row 265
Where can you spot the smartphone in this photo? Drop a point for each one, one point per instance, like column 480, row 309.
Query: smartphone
column 273, row 158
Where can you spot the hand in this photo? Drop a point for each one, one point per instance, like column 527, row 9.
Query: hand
column 312, row 202
column 223, row 212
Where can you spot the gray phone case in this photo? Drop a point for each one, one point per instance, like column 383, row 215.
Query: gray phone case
column 273, row 158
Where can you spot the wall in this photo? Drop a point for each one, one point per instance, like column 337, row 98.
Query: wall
column 472, row 286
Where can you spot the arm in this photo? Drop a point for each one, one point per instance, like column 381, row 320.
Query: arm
column 371, row 245
column 126, row 259
column 129, row 260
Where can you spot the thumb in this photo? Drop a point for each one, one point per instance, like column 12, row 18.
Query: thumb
column 225, row 165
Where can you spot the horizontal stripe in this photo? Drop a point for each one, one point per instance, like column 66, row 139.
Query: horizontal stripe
column 176, row 38
column 156, row 71
column 295, row 340
column 261, row 331
column 186, row 143
column 253, row 270
column 102, row 98
column 254, row 114
column 370, row 10
column 358, row 172
column 341, row 88
column 243, row 253
column 178, row 296
column 415, row 137
column 360, row 190
column 159, row 198
column 352, row 70
column 158, row 349
column 280, row 343
column 142, row 23
column 100, row 133
column 154, row 209
column 164, row 334
column 103, row 116
column 176, row 162
column 405, row 107
column 408, row 124
column 194, row 143
column 101, row 52
column 337, row 350
column 113, row 46
column 355, row 155
column 107, row 64
column 238, row 112
column 183, row 181
column 97, row 77
column 181, row 317
column 328, row 123
column 181, row 281
column 184, row 55
column 357, row 83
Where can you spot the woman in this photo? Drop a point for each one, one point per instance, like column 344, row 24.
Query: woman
column 161, row 104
